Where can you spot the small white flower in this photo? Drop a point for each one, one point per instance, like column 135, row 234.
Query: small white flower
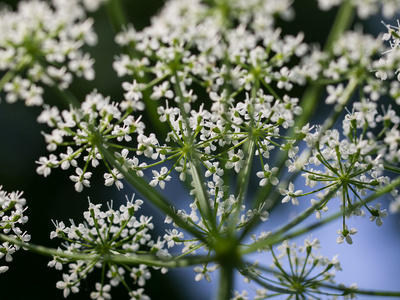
column 290, row 194
column 204, row 272
column 377, row 214
column 46, row 164
column 68, row 284
column 268, row 175
column 102, row 292
column 160, row 177
column 82, row 179
column 114, row 177
column 173, row 237
column 345, row 235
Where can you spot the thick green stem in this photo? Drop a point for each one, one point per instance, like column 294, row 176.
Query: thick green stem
column 244, row 175
column 225, row 286
column 342, row 22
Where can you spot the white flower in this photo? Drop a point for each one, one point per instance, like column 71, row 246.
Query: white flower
column 81, row 180
column 204, row 272
column 159, row 178
column 377, row 214
column 68, row 284
column 133, row 90
column 114, row 177
column 241, row 296
column 290, row 194
column 56, row 263
column 140, row 275
column 162, row 91
column 328, row 4
column 267, row 175
column 46, row 164
column 345, row 235
column 235, row 160
column 318, row 214
column 7, row 250
column 102, row 292
column 173, row 237
column 260, row 212
column 335, row 94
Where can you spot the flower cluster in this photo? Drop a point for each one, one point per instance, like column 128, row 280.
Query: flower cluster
column 97, row 122
column 301, row 279
column 103, row 235
column 218, row 80
column 12, row 209
column 202, row 44
column 42, row 42
column 351, row 162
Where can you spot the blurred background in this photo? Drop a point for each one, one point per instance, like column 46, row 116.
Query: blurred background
column 373, row 260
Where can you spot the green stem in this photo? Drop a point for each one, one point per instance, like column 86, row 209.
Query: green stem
column 225, row 286
column 6, row 78
column 343, row 20
column 149, row 193
column 149, row 260
column 198, row 180
column 243, row 182
column 391, row 168
column 311, row 96
column 201, row 194
column 67, row 97
column 116, row 14
column 361, row 292
column 256, row 278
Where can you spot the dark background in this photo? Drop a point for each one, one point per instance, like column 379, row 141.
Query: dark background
column 54, row 197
